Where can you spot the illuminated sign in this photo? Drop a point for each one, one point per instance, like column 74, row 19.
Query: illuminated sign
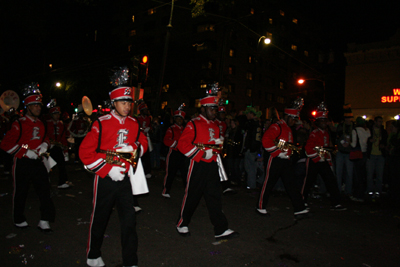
column 393, row 98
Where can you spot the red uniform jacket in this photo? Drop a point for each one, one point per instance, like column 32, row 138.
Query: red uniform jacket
column 198, row 130
column 78, row 127
column 24, row 131
column 222, row 127
column 172, row 136
column 144, row 121
column 56, row 132
column 116, row 133
column 278, row 130
column 317, row 137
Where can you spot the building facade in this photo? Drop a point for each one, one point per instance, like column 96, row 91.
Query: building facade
column 372, row 84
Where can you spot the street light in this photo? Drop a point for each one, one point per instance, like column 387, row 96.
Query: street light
column 58, row 84
column 302, row 81
column 266, row 40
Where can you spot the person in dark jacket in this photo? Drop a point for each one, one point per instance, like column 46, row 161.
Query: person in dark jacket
column 376, row 157
column 252, row 145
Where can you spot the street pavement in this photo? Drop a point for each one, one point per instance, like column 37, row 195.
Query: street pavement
column 366, row 235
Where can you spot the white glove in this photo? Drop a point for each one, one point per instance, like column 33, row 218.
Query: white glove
column 117, row 173
column 125, row 149
column 31, row 154
column 42, row 148
column 146, row 130
column 283, row 155
column 219, row 141
column 208, row 154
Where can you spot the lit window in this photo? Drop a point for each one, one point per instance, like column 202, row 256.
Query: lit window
column 210, row 65
column 132, row 33
column 50, row 66
column 294, row 47
column 151, row 11
column 306, row 53
column 281, row 13
column 294, row 20
column 249, row 76
column 280, row 99
column 129, row 48
column 250, row 59
column 248, row 92
column 163, row 104
column 252, row 11
column 202, row 86
column 133, row 18
column 270, row 20
column 165, row 88
column 197, row 103
column 281, row 85
column 231, row 52
column 269, row 97
column 230, row 70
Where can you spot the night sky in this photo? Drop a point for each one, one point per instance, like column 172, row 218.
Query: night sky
column 36, row 33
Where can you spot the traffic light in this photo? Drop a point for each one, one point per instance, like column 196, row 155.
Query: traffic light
column 314, row 112
column 143, row 69
column 226, row 102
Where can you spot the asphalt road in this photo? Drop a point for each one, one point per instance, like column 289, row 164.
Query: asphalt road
column 367, row 234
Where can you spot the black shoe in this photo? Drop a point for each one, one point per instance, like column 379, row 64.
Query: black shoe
column 228, row 234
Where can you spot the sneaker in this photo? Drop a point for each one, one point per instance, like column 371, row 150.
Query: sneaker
column 356, row 199
column 183, row 231
column 137, row 209
column 95, row 262
column 229, row 191
column 262, row 212
column 22, row 225
column 338, row 208
column 302, row 214
column 44, row 227
column 166, row 195
column 228, row 234
column 148, row 175
column 63, row 186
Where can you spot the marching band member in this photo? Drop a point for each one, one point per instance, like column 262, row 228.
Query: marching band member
column 203, row 175
column 26, row 141
column 112, row 184
column 319, row 161
column 279, row 164
column 56, row 133
column 175, row 160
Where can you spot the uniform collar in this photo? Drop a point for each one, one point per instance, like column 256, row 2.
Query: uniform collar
column 31, row 118
column 119, row 118
column 204, row 118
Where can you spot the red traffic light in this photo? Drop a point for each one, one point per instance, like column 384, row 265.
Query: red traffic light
column 144, row 59
column 314, row 113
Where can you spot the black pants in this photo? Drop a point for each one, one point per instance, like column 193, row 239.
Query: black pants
column 58, row 155
column 203, row 181
column 359, row 176
column 106, row 194
column 280, row 168
column 175, row 162
column 26, row 171
column 326, row 173
column 146, row 161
